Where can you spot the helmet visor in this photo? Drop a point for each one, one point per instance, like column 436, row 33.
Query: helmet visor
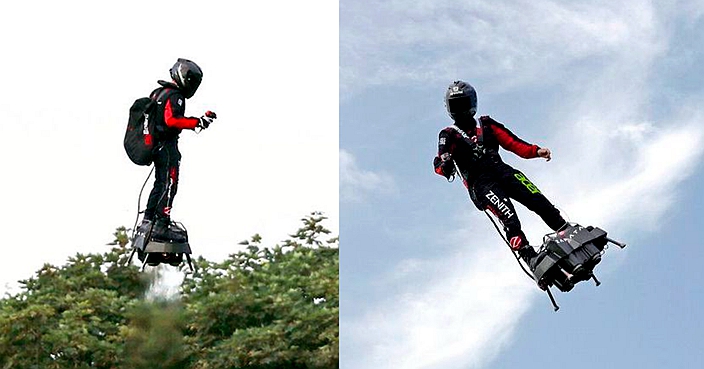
column 193, row 82
column 191, row 85
column 461, row 105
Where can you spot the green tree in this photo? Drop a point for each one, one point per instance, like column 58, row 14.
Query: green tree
column 265, row 307
column 70, row 316
column 268, row 307
column 155, row 335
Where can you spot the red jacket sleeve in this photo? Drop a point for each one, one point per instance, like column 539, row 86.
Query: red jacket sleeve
column 173, row 115
column 512, row 143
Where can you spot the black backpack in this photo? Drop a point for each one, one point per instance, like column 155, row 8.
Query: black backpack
column 141, row 134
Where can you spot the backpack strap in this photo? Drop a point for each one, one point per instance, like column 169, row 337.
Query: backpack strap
column 478, row 146
column 160, row 94
column 480, row 132
column 463, row 134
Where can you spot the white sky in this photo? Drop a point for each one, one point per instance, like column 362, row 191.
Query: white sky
column 72, row 69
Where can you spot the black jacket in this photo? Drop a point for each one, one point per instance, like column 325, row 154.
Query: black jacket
column 172, row 108
column 474, row 160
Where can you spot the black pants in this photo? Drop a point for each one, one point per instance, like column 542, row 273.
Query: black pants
column 166, row 167
column 493, row 192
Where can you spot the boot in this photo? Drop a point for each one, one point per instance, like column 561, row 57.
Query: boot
column 146, row 222
column 165, row 230
column 532, row 258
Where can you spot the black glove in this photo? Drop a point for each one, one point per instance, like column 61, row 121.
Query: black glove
column 207, row 118
column 447, row 167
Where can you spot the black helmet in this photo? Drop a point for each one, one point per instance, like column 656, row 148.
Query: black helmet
column 461, row 100
column 187, row 76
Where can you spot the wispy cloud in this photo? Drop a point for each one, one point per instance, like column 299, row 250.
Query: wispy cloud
column 459, row 313
column 634, row 178
column 355, row 183
column 519, row 41
column 614, row 165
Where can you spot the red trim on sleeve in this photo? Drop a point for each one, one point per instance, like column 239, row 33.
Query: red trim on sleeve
column 439, row 171
column 178, row 122
column 510, row 142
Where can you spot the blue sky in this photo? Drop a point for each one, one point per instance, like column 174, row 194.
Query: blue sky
column 614, row 89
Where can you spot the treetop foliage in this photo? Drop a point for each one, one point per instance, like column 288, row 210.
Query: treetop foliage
column 262, row 307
